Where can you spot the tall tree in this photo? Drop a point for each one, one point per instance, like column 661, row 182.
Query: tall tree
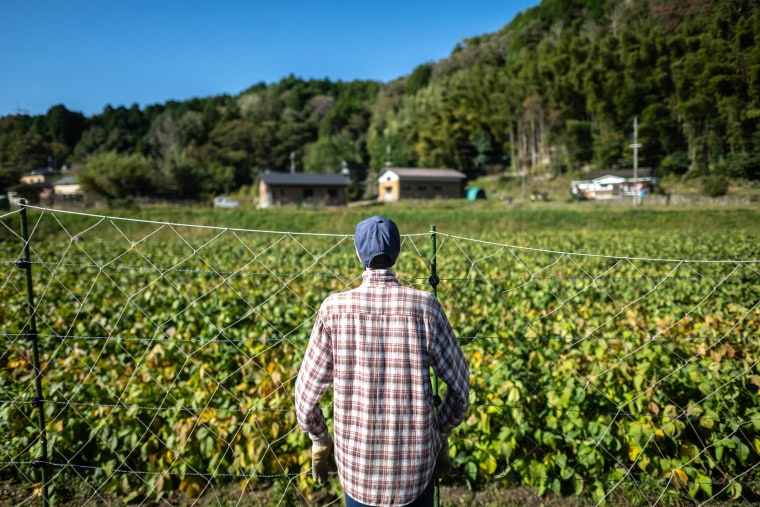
column 114, row 176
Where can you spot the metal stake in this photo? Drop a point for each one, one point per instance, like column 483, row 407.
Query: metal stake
column 31, row 333
column 433, row 280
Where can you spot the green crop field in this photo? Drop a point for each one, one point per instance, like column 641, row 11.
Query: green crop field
column 613, row 350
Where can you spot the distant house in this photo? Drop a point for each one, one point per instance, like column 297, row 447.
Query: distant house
column 396, row 183
column 615, row 184
column 37, row 176
column 282, row 189
column 35, row 187
column 67, row 189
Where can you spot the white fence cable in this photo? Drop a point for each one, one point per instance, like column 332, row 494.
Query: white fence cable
column 169, row 354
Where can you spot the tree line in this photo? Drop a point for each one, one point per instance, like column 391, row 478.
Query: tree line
column 556, row 90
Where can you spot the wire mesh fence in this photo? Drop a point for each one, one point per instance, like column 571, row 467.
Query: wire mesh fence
column 146, row 360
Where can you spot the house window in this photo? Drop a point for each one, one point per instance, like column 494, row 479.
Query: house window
column 308, row 193
column 437, row 189
column 422, row 188
column 406, row 188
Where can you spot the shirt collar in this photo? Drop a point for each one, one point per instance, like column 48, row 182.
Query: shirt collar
column 372, row 277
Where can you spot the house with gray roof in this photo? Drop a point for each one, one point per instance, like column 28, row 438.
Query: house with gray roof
column 67, row 189
column 396, row 183
column 615, row 184
column 301, row 189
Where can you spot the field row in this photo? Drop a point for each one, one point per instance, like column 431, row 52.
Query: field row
column 169, row 352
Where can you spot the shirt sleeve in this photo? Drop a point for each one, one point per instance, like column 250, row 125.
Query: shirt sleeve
column 314, row 378
column 449, row 364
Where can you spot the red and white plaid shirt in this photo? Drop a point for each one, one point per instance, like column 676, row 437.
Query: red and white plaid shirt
column 376, row 344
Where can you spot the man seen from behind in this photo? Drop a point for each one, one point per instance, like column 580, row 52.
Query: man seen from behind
column 375, row 345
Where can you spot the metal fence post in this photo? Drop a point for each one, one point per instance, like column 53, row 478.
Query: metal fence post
column 433, row 280
column 30, row 332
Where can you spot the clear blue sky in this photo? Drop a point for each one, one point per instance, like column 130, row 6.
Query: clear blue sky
column 86, row 54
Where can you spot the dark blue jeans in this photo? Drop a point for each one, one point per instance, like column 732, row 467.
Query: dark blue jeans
column 424, row 500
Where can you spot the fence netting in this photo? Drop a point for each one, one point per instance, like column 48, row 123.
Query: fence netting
column 168, row 355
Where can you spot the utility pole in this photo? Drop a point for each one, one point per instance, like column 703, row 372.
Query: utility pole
column 636, row 147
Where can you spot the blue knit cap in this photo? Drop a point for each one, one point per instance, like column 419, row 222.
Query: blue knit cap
column 377, row 236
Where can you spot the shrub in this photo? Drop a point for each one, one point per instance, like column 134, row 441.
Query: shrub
column 715, row 186
column 675, row 163
column 740, row 165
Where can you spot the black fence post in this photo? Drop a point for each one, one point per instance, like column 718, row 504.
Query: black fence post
column 30, row 333
column 433, row 281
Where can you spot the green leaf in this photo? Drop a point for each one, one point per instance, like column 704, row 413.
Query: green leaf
column 742, row 451
column 705, row 484
column 471, row 470
column 735, row 490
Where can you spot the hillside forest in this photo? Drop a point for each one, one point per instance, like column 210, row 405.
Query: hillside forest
column 555, row 91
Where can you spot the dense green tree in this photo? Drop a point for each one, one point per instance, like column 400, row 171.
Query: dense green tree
column 64, row 126
column 578, row 142
column 388, row 150
column 659, row 134
column 183, row 175
column 328, row 154
column 116, row 129
column 235, row 150
column 557, row 87
column 115, row 176
column 93, row 140
column 418, row 79
column 24, row 152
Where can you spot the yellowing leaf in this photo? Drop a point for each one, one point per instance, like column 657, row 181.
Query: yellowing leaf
column 693, row 410
column 680, row 479
column 643, row 463
column 15, row 363
column 489, row 466
column 191, row 486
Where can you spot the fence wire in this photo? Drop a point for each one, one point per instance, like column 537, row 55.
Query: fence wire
column 168, row 356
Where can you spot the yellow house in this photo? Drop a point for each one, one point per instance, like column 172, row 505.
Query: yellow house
column 396, row 183
column 37, row 176
column 67, row 189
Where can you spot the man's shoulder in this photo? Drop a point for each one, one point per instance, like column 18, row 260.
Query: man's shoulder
column 365, row 292
column 340, row 297
column 419, row 294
